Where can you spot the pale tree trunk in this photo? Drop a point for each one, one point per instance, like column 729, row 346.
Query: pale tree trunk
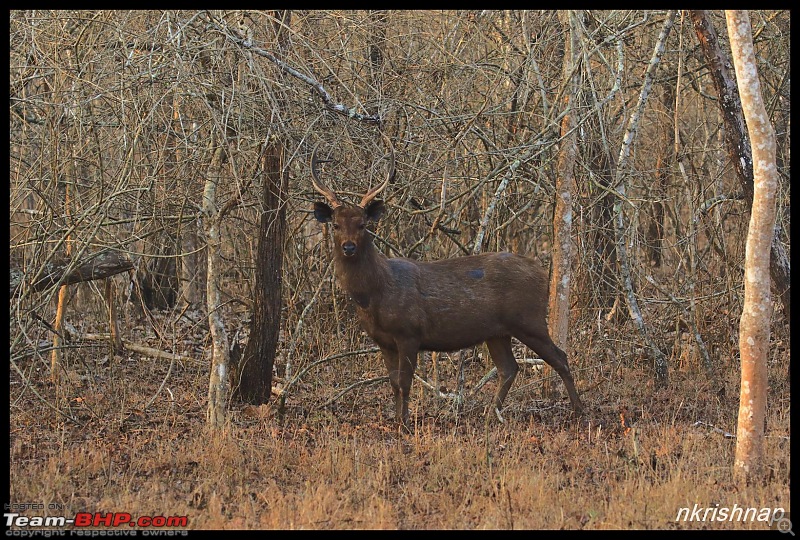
column 623, row 163
column 56, row 356
column 561, row 272
column 186, row 234
column 218, row 385
column 754, row 326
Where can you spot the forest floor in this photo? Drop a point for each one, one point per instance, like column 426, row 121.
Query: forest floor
column 128, row 435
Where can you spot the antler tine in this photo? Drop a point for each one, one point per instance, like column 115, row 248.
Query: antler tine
column 318, row 184
column 371, row 194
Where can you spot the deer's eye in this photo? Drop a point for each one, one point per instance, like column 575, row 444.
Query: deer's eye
column 335, row 226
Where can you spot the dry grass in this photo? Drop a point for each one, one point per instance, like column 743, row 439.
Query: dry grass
column 347, row 467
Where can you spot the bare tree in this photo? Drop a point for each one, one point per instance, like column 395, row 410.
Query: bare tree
column 219, row 384
column 117, row 108
column 661, row 367
column 754, row 329
column 561, row 266
column 738, row 144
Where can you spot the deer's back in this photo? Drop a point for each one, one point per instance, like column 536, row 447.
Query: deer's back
column 456, row 303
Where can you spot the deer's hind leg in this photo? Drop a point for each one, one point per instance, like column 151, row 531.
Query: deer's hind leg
column 507, row 368
column 550, row 353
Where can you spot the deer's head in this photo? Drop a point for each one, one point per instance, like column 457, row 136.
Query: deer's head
column 349, row 221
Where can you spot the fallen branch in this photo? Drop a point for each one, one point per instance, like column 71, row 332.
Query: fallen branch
column 715, row 429
column 148, row 351
column 67, row 272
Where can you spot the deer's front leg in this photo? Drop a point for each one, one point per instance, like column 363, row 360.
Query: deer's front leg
column 393, row 370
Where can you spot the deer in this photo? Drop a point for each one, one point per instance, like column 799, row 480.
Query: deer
column 407, row 306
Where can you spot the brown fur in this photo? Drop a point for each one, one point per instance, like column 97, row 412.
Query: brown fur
column 407, row 306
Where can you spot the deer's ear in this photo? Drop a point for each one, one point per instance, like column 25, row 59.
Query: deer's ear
column 323, row 212
column 375, row 210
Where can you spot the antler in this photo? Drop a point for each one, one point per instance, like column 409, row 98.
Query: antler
column 327, row 192
column 371, row 194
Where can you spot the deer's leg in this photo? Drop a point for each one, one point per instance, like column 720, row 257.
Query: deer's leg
column 393, row 370
column 407, row 363
column 507, row 368
column 550, row 353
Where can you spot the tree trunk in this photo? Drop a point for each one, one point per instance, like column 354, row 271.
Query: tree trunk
column 754, row 326
column 660, row 362
column 654, row 233
column 255, row 371
column 218, row 385
column 561, row 270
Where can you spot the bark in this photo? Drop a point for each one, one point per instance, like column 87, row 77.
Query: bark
column 721, row 72
column 754, row 326
column 115, row 339
column 601, row 228
column 67, row 272
column 188, row 260
column 655, row 221
column 158, row 278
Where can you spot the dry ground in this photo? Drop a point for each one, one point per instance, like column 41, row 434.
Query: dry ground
column 139, row 446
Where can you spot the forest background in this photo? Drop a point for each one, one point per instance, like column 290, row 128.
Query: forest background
column 161, row 226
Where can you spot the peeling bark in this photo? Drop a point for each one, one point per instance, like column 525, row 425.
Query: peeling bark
column 754, row 326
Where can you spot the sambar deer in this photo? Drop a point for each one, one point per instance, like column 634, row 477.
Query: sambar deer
column 407, row 305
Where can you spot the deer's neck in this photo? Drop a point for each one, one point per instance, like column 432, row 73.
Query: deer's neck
column 363, row 276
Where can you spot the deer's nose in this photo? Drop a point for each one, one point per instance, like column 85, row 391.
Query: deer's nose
column 349, row 249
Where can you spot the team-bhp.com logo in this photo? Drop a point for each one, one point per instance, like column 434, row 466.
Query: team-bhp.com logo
column 95, row 519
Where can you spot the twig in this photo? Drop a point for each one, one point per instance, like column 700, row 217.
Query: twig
column 697, row 337
column 299, row 325
column 715, row 429
column 355, row 385
column 36, row 393
column 493, row 372
column 438, row 393
column 661, row 365
column 315, row 85
column 322, row 361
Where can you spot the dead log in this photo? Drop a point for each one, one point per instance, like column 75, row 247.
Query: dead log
column 96, row 266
